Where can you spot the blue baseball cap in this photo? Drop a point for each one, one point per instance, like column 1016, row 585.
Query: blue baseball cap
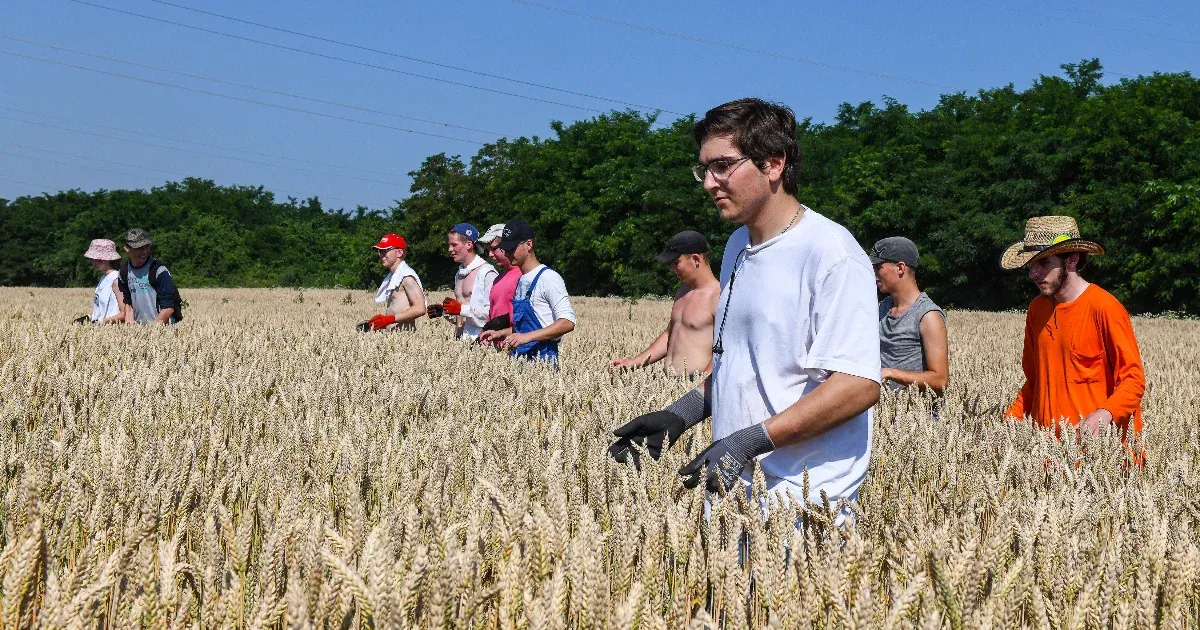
column 467, row 230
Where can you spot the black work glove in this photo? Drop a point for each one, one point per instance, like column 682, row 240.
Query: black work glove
column 647, row 431
column 727, row 458
column 500, row 322
column 81, row 320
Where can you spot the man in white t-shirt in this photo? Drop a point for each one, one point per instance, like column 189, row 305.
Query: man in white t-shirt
column 542, row 311
column 796, row 353
column 472, row 282
column 401, row 293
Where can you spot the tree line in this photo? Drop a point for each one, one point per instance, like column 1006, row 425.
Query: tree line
column 604, row 194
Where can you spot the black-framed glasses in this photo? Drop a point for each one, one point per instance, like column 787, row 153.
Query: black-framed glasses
column 721, row 168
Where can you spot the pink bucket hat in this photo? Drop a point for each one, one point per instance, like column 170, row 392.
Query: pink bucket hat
column 102, row 249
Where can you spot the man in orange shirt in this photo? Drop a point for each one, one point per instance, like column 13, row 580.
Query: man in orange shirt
column 1081, row 361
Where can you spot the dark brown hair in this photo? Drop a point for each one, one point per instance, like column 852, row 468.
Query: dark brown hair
column 760, row 130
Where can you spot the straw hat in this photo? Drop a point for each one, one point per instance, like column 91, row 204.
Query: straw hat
column 1047, row 236
column 102, row 249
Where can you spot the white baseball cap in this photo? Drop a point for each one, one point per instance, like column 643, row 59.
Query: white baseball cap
column 492, row 233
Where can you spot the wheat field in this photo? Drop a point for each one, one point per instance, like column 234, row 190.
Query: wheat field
column 264, row 465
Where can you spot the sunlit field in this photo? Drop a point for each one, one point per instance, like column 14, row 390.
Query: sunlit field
column 264, row 465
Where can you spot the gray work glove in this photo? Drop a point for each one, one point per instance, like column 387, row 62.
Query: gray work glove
column 726, row 458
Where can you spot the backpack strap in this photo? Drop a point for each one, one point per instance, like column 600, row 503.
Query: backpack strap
column 123, row 282
column 152, row 273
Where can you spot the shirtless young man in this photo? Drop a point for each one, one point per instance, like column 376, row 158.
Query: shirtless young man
column 472, row 282
column 401, row 294
column 686, row 344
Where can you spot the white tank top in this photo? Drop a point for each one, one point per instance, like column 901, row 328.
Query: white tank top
column 104, row 300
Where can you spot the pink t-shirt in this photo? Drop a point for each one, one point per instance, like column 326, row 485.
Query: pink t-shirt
column 502, row 293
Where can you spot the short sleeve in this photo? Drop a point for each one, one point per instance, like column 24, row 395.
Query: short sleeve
column 844, row 323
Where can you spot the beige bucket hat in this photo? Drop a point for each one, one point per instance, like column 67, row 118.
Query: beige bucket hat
column 1047, row 236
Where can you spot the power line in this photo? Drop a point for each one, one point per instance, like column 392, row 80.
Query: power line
column 1002, row 7
column 92, row 159
column 1117, row 16
column 237, row 98
column 225, row 157
column 25, row 183
column 144, row 168
column 336, row 58
column 244, row 85
column 416, row 59
column 199, row 144
column 737, row 47
column 90, row 168
column 41, row 189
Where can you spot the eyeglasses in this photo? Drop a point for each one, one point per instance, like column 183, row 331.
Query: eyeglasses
column 721, row 168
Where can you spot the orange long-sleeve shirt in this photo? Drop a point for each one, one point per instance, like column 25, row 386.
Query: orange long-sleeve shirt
column 1079, row 357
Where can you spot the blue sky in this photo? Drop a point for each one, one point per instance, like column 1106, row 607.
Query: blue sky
column 64, row 127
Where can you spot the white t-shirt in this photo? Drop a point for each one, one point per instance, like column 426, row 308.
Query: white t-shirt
column 476, row 312
column 803, row 306
column 392, row 281
column 550, row 300
column 104, row 300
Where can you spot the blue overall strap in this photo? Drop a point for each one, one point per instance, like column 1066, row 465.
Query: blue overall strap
column 525, row 320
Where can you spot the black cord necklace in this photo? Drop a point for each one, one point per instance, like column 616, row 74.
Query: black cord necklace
column 719, row 346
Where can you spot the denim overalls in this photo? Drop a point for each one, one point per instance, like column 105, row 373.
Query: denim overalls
column 526, row 321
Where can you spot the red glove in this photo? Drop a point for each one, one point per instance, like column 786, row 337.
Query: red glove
column 452, row 306
column 379, row 322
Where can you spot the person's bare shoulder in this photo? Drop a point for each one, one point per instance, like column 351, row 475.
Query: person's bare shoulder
column 709, row 294
column 699, row 300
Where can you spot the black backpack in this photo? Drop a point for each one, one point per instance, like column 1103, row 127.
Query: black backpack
column 123, row 285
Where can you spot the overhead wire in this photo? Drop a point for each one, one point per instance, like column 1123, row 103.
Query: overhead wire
column 25, row 183
column 1105, row 27
column 90, row 168
column 737, row 47
column 42, row 189
column 237, row 98
column 336, row 58
column 243, row 85
column 415, row 59
column 145, row 168
column 224, row 157
column 199, row 144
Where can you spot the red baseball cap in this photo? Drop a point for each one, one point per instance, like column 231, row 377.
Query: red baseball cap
column 391, row 241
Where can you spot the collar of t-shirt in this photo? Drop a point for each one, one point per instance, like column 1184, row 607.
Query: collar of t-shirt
column 532, row 273
column 476, row 263
column 793, row 231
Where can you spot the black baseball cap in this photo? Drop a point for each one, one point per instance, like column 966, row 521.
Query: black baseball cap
column 515, row 232
column 894, row 249
column 685, row 242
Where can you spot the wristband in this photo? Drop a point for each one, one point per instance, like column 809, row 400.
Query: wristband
column 692, row 407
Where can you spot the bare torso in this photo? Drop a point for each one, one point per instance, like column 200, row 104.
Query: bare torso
column 463, row 289
column 689, row 345
column 398, row 302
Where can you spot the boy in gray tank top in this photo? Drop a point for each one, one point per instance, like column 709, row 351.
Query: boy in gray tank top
column 912, row 342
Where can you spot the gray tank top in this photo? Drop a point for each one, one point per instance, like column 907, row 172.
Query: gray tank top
column 900, row 337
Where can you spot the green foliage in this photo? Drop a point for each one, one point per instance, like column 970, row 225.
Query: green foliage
column 604, row 194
